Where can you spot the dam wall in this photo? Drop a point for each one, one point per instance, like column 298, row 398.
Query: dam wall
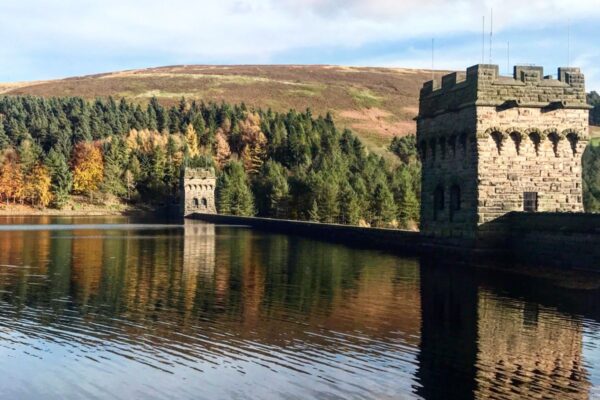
column 557, row 240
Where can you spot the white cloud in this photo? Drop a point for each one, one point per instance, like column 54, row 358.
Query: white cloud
column 258, row 31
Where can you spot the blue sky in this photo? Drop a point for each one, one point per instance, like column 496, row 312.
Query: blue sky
column 42, row 39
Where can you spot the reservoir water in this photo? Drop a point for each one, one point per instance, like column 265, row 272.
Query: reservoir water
column 109, row 308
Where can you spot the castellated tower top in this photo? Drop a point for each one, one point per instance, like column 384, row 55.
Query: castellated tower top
column 482, row 85
column 491, row 144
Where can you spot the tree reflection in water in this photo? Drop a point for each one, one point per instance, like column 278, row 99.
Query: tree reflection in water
column 219, row 312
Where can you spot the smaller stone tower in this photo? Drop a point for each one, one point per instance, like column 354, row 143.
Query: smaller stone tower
column 198, row 191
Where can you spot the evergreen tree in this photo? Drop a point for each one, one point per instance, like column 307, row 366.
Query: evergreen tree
column 61, row 179
column 233, row 191
column 272, row 190
column 384, row 208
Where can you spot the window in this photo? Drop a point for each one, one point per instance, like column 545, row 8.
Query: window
column 196, row 203
column 530, row 201
column 454, row 201
column 438, row 201
column 497, row 136
column 516, row 138
column 204, row 202
column 536, row 139
column 554, row 138
column 572, row 138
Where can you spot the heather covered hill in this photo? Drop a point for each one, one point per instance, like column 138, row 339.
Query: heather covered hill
column 376, row 103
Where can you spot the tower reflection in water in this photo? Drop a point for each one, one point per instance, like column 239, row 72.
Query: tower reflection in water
column 234, row 307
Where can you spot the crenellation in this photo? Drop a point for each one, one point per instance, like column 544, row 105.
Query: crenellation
column 198, row 191
column 502, row 143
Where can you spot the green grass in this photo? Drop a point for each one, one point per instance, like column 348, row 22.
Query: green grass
column 364, row 97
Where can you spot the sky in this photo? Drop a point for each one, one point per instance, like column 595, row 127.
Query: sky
column 43, row 39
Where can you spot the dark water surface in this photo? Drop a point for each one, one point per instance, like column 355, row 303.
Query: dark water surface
column 114, row 308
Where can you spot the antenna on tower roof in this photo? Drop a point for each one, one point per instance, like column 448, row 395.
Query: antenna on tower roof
column 432, row 58
column 491, row 31
column 482, row 39
column 569, row 43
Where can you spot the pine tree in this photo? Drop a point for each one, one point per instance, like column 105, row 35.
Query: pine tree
column 60, row 177
column 233, row 192
column 272, row 190
column 384, row 208
column 348, row 206
column 313, row 213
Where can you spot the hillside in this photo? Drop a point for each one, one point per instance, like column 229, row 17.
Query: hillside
column 376, row 103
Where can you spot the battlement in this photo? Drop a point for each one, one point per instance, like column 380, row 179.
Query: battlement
column 483, row 85
column 199, row 173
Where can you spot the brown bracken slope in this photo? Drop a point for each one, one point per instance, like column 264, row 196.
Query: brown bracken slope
column 376, row 103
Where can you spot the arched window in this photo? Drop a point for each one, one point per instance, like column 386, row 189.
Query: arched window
column 438, row 201
column 463, row 143
column 516, row 138
column 204, row 202
column 536, row 139
column 497, row 136
column 432, row 145
column 423, row 150
column 572, row 138
column 454, row 201
column 442, row 148
column 452, row 144
column 554, row 138
column 196, row 203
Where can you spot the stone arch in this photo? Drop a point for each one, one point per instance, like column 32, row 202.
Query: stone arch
column 423, row 150
column 196, row 202
column 452, row 143
column 432, row 146
column 442, row 141
column 535, row 135
column 462, row 138
column 517, row 137
column 555, row 137
column 573, row 137
column 204, row 202
column 455, row 200
column 498, row 136
column 438, row 201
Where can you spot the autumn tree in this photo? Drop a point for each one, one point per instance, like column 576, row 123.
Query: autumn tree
column 254, row 143
column 191, row 141
column 88, row 168
column 222, row 150
column 11, row 177
column 39, row 186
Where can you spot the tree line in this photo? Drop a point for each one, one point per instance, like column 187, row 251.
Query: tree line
column 282, row 165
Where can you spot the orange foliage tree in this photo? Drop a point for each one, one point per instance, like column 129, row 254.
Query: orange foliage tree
column 37, row 189
column 254, row 143
column 11, row 177
column 88, row 168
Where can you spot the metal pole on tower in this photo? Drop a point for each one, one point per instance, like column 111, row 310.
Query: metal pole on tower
column 491, row 31
column 432, row 58
column 482, row 39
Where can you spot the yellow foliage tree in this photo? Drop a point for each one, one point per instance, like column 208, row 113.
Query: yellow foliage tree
column 88, row 168
column 191, row 140
column 254, row 143
column 39, row 186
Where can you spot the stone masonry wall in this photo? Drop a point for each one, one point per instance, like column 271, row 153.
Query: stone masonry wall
column 198, row 189
column 449, row 160
column 529, row 150
column 485, row 140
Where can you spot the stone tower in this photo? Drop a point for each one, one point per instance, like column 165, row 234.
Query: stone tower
column 492, row 144
column 198, row 191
